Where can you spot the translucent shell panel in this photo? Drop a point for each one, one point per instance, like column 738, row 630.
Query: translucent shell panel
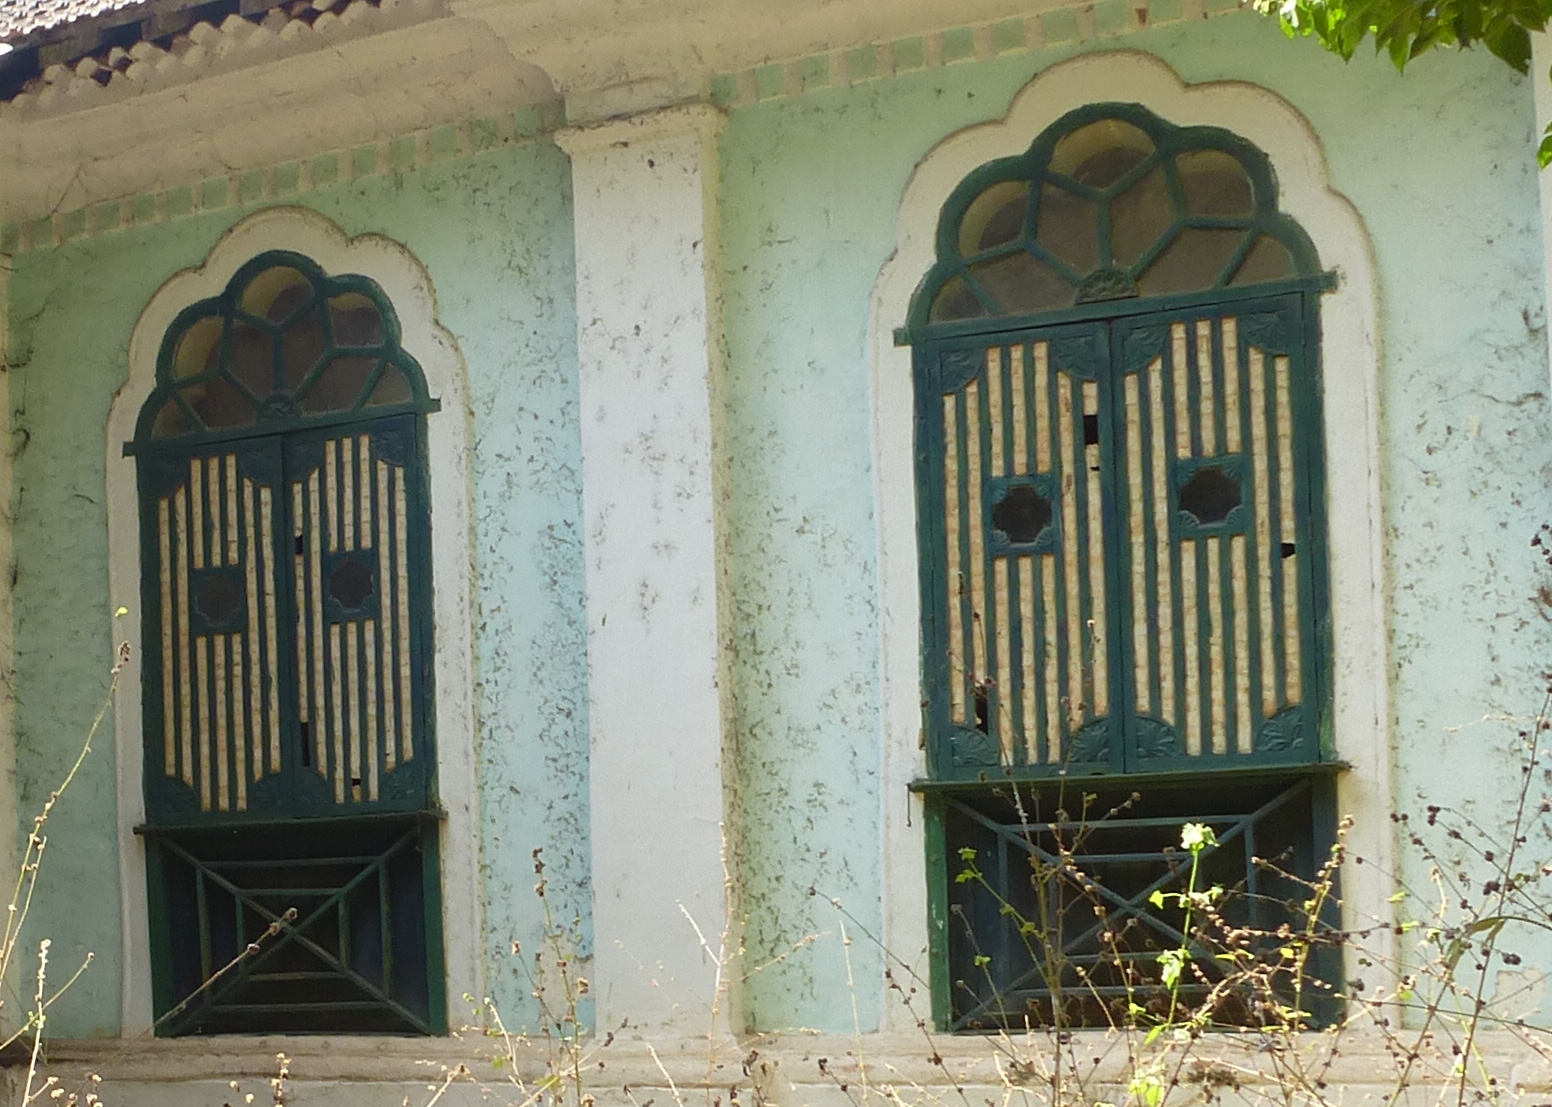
column 275, row 294
column 1113, row 206
column 1068, row 227
column 199, row 350
column 994, row 218
column 1212, row 182
column 1139, row 217
column 284, row 341
column 1101, row 153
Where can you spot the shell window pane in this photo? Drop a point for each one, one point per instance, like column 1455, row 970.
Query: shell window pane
column 275, row 294
column 219, row 404
column 1140, row 216
column 356, row 320
column 994, row 218
column 252, row 357
column 302, row 347
column 1213, row 182
column 340, row 385
column 955, row 301
column 199, row 350
column 1101, row 153
column 1068, row 227
column 1195, row 259
column 1022, row 283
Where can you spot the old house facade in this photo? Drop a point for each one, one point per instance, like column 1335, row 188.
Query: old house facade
column 720, row 450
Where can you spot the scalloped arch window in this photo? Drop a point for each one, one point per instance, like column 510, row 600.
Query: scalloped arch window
column 289, row 775
column 1111, row 203
column 284, row 344
column 1122, row 556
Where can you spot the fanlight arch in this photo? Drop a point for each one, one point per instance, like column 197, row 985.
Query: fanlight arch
column 284, row 345
column 1110, row 203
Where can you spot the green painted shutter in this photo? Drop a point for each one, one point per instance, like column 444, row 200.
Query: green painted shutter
column 1215, row 439
column 214, row 663
column 1118, row 544
column 359, row 594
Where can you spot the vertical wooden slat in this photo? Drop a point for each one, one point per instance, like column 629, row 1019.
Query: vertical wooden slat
column 1163, row 612
column 1095, row 537
column 221, row 739
column 954, row 578
column 1029, row 660
column 305, row 690
column 1218, row 727
column 1054, row 715
column 1001, row 701
column 1189, row 646
column 1231, row 370
column 213, row 490
column 1242, row 616
column 197, row 511
column 338, row 768
column 185, row 545
column 255, row 635
column 1181, row 366
column 1206, row 380
column 202, row 714
column 994, row 406
column 331, row 495
column 322, row 722
column 374, row 737
column 347, row 491
column 269, row 674
column 1288, row 528
column 1020, row 417
column 1260, row 462
column 231, row 509
column 169, row 705
column 355, row 741
column 1136, row 527
column 1071, row 464
column 402, row 591
column 364, row 484
column 974, row 468
column 1042, row 393
column 386, row 615
column 239, row 730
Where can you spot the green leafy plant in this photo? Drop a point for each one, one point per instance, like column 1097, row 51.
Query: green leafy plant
column 1406, row 29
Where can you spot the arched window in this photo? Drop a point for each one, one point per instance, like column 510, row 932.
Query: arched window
column 289, row 764
column 1120, row 515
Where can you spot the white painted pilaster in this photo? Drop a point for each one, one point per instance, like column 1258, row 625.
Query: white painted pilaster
column 648, row 334
column 1541, row 86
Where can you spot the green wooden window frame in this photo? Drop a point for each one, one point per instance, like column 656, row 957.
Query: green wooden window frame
column 1120, row 502
column 290, row 765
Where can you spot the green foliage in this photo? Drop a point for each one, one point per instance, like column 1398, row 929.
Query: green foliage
column 1407, row 29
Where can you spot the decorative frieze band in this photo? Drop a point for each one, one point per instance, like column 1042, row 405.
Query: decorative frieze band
column 285, row 181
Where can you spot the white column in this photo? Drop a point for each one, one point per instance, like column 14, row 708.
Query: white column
column 1541, row 90
column 648, row 337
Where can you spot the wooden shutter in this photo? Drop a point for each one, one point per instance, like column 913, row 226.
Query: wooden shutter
column 357, row 528
column 1215, row 443
column 1018, row 594
column 1119, row 546
column 210, row 525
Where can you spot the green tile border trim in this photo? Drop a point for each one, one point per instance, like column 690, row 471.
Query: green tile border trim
column 1088, row 21
column 286, row 180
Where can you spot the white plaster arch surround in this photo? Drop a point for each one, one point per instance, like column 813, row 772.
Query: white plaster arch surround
column 1350, row 353
column 448, row 435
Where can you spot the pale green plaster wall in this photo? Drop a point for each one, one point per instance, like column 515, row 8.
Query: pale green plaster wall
column 1438, row 163
column 494, row 232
